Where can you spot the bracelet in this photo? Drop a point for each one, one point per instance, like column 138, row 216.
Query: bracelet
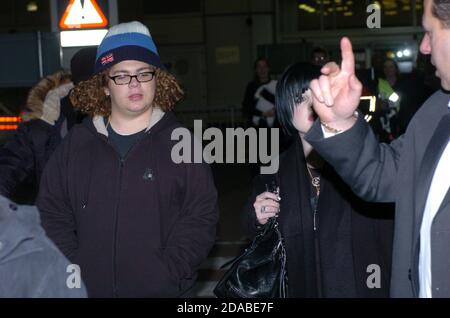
column 330, row 129
column 335, row 130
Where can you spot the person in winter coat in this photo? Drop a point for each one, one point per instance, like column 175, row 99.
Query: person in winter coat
column 258, row 107
column 413, row 171
column 259, row 98
column 49, row 115
column 31, row 266
column 111, row 197
column 336, row 244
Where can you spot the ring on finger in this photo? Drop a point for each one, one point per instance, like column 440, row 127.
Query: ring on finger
column 263, row 209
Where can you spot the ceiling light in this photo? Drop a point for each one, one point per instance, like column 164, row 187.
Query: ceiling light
column 32, row 6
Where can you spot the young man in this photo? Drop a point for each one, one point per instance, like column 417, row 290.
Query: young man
column 413, row 171
column 111, row 197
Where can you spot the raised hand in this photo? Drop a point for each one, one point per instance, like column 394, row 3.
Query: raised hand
column 337, row 92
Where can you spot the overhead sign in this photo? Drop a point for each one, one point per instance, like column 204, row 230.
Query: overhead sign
column 83, row 14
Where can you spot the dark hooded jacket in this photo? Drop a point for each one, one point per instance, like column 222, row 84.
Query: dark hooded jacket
column 46, row 122
column 337, row 259
column 48, row 116
column 138, row 226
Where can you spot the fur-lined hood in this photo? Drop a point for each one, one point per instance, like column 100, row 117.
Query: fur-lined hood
column 44, row 99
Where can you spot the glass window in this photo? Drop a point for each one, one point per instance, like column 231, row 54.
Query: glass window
column 344, row 14
column 419, row 12
column 396, row 12
column 308, row 15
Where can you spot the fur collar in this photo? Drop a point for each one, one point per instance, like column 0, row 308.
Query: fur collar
column 43, row 101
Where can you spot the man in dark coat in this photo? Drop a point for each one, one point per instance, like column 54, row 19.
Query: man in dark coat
column 413, row 171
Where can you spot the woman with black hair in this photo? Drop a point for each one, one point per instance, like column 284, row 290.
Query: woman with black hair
column 336, row 245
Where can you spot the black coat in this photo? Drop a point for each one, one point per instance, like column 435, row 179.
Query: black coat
column 350, row 237
column 24, row 156
column 138, row 226
column 400, row 172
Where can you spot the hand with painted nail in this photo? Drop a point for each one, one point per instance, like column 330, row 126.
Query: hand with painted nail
column 337, row 91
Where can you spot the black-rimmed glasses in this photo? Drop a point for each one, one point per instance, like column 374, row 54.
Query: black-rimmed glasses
column 126, row 79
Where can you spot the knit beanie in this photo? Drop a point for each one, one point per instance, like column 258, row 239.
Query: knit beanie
column 127, row 41
column 82, row 64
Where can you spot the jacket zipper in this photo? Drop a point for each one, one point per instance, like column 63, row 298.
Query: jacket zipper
column 116, row 224
column 315, row 220
column 116, row 215
column 315, row 206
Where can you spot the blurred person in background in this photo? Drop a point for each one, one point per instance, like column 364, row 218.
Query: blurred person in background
column 319, row 56
column 48, row 117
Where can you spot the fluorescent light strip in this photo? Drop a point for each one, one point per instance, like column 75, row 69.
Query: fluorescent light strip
column 82, row 37
column 10, row 119
column 8, row 127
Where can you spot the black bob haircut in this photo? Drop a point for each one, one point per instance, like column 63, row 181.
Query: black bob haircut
column 293, row 83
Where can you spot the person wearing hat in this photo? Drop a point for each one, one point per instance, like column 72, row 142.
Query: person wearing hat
column 111, row 198
column 48, row 117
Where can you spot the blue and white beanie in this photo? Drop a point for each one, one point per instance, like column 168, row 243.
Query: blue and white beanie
column 127, row 41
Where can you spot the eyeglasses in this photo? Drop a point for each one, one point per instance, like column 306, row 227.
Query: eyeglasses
column 126, row 79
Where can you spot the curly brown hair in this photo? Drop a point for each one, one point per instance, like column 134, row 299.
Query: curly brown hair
column 90, row 98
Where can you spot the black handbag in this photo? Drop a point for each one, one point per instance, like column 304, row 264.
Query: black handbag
column 260, row 272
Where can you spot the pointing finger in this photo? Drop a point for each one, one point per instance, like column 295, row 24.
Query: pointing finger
column 348, row 58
